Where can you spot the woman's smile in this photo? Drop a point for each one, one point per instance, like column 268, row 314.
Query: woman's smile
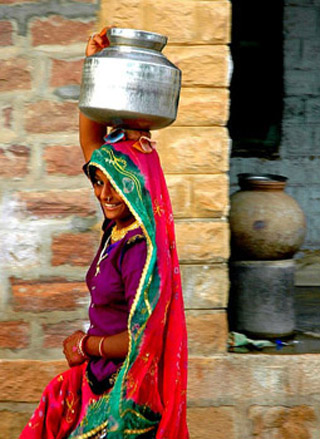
column 113, row 206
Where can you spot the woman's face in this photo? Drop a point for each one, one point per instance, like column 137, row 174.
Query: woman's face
column 113, row 206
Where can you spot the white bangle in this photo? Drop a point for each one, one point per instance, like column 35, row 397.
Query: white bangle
column 81, row 350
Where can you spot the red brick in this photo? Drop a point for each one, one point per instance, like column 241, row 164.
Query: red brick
column 66, row 160
column 12, row 423
column 74, row 249
column 65, row 72
column 25, row 380
column 47, row 295
column 15, row 74
column 55, row 334
column 6, row 31
column 48, row 117
column 14, row 334
column 16, row 160
column 58, row 30
column 58, row 203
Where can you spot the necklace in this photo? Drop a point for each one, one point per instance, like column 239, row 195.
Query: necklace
column 102, row 256
column 118, row 234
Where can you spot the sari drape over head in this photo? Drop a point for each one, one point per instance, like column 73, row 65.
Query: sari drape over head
column 149, row 394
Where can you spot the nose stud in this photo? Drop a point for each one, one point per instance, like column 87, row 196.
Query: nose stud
column 108, row 199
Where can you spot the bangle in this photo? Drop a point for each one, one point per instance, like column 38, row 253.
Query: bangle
column 81, row 350
column 101, row 346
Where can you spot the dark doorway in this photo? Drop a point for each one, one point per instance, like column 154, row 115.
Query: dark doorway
column 257, row 81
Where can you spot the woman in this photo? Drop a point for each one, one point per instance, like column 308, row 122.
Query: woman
column 127, row 376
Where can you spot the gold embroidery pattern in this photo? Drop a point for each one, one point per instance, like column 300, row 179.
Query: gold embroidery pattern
column 120, row 165
column 71, row 402
column 157, row 208
column 135, row 238
column 141, row 431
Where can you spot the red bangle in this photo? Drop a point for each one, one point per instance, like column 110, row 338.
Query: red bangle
column 81, row 349
column 101, row 346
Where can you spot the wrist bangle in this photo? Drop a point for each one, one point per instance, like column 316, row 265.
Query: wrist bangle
column 81, row 350
column 101, row 347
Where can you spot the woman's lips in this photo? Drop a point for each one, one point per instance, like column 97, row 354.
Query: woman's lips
column 112, row 206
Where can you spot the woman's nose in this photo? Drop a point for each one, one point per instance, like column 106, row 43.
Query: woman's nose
column 105, row 192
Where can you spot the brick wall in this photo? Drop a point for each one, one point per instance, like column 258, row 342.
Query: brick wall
column 49, row 220
column 47, row 212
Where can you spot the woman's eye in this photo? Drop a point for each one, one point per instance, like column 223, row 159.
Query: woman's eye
column 98, row 183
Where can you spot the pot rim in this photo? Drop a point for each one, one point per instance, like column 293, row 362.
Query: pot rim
column 136, row 37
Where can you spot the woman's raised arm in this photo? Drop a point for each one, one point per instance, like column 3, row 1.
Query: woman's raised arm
column 91, row 133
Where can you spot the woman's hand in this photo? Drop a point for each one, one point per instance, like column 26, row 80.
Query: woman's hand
column 98, row 41
column 70, row 349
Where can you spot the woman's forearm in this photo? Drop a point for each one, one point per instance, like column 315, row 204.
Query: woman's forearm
column 112, row 346
column 91, row 135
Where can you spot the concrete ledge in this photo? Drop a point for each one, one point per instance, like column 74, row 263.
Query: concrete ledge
column 230, row 379
column 233, row 396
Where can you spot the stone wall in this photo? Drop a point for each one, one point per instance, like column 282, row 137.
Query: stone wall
column 299, row 149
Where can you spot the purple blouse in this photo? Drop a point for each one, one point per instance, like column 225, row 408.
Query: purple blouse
column 113, row 287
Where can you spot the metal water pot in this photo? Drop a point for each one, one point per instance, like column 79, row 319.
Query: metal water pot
column 131, row 84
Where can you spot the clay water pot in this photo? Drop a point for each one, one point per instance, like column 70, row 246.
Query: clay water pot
column 266, row 223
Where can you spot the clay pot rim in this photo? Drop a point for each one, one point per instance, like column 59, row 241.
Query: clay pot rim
column 262, row 181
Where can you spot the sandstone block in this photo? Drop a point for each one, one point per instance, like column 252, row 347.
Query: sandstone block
column 201, row 65
column 12, row 423
column 48, row 117
column 77, row 202
column 74, row 249
column 67, row 160
column 25, row 380
column 193, row 150
column 175, row 19
column 15, row 159
column 253, row 379
column 202, row 241
column 207, row 332
column 15, row 74
column 210, row 196
column 6, row 32
column 213, row 21
column 55, row 334
column 47, row 295
column 59, row 30
column 65, row 72
column 122, row 13
column 283, row 422
column 205, row 286
column 203, row 107
column 14, row 334
column 212, row 422
column 179, row 187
